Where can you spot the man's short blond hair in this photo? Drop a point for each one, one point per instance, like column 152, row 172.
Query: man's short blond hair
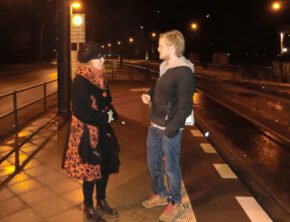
column 176, row 39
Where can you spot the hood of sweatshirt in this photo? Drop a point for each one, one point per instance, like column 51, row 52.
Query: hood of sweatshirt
column 181, row 61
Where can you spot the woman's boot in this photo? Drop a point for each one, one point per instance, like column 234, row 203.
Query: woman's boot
column 92, row 215
column 104, row 208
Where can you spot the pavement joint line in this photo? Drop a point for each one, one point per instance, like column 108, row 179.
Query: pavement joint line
column 253, row 209
column 224, row 171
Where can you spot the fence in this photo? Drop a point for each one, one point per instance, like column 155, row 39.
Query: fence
column 20, row 107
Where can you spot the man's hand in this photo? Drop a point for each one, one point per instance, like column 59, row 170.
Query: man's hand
column 146, row 98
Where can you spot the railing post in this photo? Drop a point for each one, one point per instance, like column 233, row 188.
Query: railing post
column 16, row 128
column 44, row 97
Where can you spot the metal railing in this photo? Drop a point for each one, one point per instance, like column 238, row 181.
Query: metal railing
column 36, row 100
column 33, row 100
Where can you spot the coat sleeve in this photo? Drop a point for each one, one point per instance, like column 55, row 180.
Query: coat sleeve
column 81, row 104
column 151, row 91
column 185, row 90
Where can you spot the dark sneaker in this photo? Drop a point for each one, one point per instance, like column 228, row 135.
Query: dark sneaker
column 154, row 201
column 104, row 208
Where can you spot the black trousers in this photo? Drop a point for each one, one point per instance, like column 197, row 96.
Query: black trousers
column 88, row 189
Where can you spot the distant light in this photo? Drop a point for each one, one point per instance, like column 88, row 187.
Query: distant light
column 206, row 134
column 276, row 6
column 207, row 16
column 153, row 34
column 131, row 39
column 119, row 42
column 229, row 54
column 141, row 27
column 193, row 26
column 158, row 11
column 284, row 50
column 109, row 45
column 103, row 46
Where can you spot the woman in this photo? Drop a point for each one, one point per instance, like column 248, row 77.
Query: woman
column 92, row 151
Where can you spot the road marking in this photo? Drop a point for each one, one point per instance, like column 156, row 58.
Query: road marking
column 207, row 148
column 253, row 210
column 196, row 133
column 224, row 171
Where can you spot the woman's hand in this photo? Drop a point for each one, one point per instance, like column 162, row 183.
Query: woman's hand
column 146, row 98
column 110, row 116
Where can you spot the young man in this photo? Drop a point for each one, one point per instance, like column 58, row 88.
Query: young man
column 171, row 103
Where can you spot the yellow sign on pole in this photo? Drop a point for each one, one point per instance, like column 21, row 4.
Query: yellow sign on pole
column 78, row 28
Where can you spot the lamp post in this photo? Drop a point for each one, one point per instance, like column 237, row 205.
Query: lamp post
column 63, row 57
column 75, row 5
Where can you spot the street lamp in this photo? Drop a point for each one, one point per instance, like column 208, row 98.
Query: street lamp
column 194, row 26
column 75, row 5
column 276, row 6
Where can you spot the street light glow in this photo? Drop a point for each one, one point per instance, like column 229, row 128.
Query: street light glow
column 153, row 34
column 76, row 5
column 119, row 42
column 276, row 6
column 193, row 26
column 131, row 40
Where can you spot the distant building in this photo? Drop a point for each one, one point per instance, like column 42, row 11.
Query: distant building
column 285, row 41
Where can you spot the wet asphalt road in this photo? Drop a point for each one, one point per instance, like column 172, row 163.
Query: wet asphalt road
column 262, row 163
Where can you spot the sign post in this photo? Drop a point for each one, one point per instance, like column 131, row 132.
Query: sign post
column 77, row 36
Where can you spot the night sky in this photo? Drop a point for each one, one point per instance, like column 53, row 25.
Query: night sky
column 238, row 27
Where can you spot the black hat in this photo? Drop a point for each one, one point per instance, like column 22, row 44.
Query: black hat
column 90, row 50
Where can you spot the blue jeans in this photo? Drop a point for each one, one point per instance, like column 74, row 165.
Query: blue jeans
column 159, row 145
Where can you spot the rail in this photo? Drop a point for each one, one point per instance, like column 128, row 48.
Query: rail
column 43, row 98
